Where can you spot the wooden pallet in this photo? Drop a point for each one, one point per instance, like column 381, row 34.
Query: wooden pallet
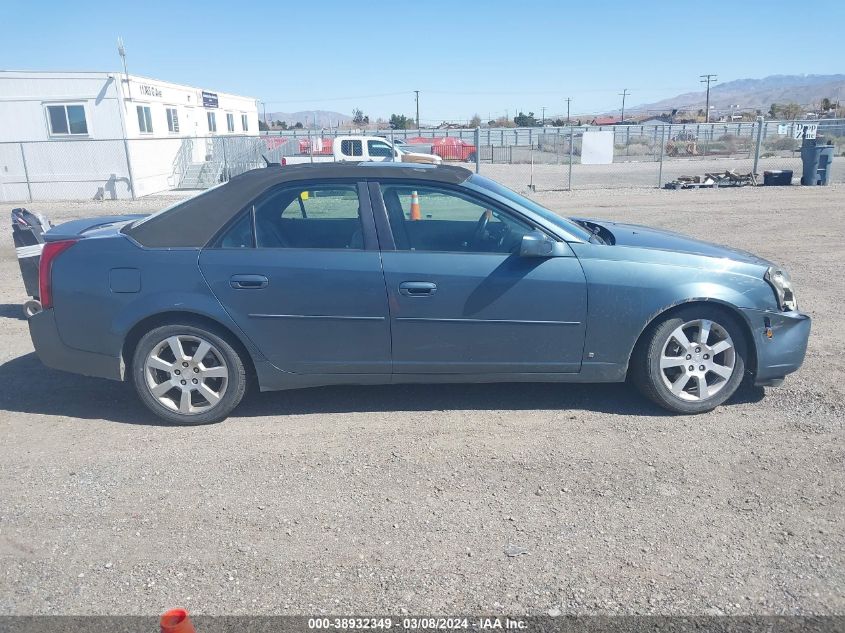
column 728, row 178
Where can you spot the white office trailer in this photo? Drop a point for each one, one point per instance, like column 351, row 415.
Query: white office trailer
column 91, row 135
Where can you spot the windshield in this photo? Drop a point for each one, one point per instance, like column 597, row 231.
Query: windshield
column 547, row 214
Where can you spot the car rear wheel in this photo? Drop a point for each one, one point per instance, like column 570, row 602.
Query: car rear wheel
column 692, row 361
column 188, row 375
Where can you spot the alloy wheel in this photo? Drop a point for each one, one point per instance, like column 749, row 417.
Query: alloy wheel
column 186, row 374
column 697, row 360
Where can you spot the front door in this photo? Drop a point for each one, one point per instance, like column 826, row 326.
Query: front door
column 462, row 300
column 300, row 273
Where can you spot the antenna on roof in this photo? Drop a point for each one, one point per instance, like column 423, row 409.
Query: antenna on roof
column 121, row 50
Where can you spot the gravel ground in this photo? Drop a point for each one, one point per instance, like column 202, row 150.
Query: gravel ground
column 392, row 499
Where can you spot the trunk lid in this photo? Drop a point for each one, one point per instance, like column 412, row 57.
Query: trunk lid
column 90, row 227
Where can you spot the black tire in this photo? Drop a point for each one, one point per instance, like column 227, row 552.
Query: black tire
column 471, row 158
column 230, row 364
column 648, row 376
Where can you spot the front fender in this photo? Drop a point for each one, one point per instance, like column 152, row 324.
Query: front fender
column 625, row 296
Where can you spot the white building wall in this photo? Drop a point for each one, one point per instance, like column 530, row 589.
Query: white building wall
column 24, row 97
column 95, row 164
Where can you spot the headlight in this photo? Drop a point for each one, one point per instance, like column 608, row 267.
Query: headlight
column 782, row 285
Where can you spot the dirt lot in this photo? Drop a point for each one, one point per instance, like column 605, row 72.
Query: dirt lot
column 391, row 499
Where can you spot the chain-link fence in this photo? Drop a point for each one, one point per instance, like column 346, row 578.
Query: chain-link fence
column 525, row 159
column 715, row 154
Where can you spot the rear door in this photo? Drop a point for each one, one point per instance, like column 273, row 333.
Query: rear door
column 299, row 272
column 462, row 300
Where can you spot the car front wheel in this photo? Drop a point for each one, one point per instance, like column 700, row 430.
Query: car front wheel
column 692, row 361
column 188, row 375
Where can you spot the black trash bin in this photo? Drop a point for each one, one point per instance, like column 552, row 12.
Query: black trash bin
column 777, row 178
column 816, row 157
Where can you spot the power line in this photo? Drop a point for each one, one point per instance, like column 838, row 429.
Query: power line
column 706, row 79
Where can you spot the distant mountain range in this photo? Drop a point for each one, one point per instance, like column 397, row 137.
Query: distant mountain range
column 742, row 94
column 325, row 118
column 806, row 90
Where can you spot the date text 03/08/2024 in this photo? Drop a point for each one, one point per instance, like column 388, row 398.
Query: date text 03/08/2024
column 417, row 623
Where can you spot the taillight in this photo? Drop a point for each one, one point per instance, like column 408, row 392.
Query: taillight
column 284, row 161
column 45, row 269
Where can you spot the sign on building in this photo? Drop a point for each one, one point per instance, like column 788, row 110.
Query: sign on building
column 209, row 99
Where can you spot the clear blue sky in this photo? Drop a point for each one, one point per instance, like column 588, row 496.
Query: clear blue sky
column 464, row 56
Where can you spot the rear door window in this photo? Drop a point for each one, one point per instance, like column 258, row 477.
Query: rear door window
column 324, row 216
column 351, row 147
column 302, row 216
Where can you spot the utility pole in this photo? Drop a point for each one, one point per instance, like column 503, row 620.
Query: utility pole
column 623, row 94
column 264, row 110
column 121, row 50
column 707, row 79
column 543, row 120
column 417, row 93
column 567, row 110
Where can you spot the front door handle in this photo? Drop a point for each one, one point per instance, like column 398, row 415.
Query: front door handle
column 417, row 288
column 248, row 282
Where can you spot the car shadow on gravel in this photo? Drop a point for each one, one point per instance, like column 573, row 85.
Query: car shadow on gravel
column 30, row 387
column 12, row 311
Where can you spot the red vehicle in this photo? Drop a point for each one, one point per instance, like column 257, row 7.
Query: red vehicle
column 322, row 146
column 447, row 147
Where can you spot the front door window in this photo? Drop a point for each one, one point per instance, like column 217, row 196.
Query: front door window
column 443, row 220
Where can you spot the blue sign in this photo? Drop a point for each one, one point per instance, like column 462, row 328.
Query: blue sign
column 209, row 99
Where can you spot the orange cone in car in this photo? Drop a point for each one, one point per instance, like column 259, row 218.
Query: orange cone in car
column 176, row 621
column 416, row 214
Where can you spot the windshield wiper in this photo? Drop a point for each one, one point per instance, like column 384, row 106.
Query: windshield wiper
column 594, row 230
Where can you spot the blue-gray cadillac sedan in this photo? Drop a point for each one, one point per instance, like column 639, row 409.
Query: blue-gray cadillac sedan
column 368, row 274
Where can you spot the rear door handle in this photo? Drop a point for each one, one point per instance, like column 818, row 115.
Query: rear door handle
column 248, row 282
column 417, row 288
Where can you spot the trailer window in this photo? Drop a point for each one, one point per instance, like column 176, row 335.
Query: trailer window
column 172, row 120
column 67, row 119
column 145, row 120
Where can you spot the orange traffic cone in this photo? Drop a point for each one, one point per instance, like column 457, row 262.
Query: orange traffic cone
column 416, row 214
column 176, row 621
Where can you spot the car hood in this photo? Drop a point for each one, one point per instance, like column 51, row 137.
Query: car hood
column 658, row 239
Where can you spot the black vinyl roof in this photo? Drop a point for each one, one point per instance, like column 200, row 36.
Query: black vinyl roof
column 195, row 221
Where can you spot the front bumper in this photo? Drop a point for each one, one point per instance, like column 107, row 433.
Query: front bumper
column 784, row 352
column 54, row 353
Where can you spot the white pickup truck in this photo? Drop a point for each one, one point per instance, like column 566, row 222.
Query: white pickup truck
column 357, row 149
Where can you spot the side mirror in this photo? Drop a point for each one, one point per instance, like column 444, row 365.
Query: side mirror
column 538, row 244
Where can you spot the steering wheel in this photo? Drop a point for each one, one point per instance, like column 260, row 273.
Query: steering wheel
column 480, row 228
